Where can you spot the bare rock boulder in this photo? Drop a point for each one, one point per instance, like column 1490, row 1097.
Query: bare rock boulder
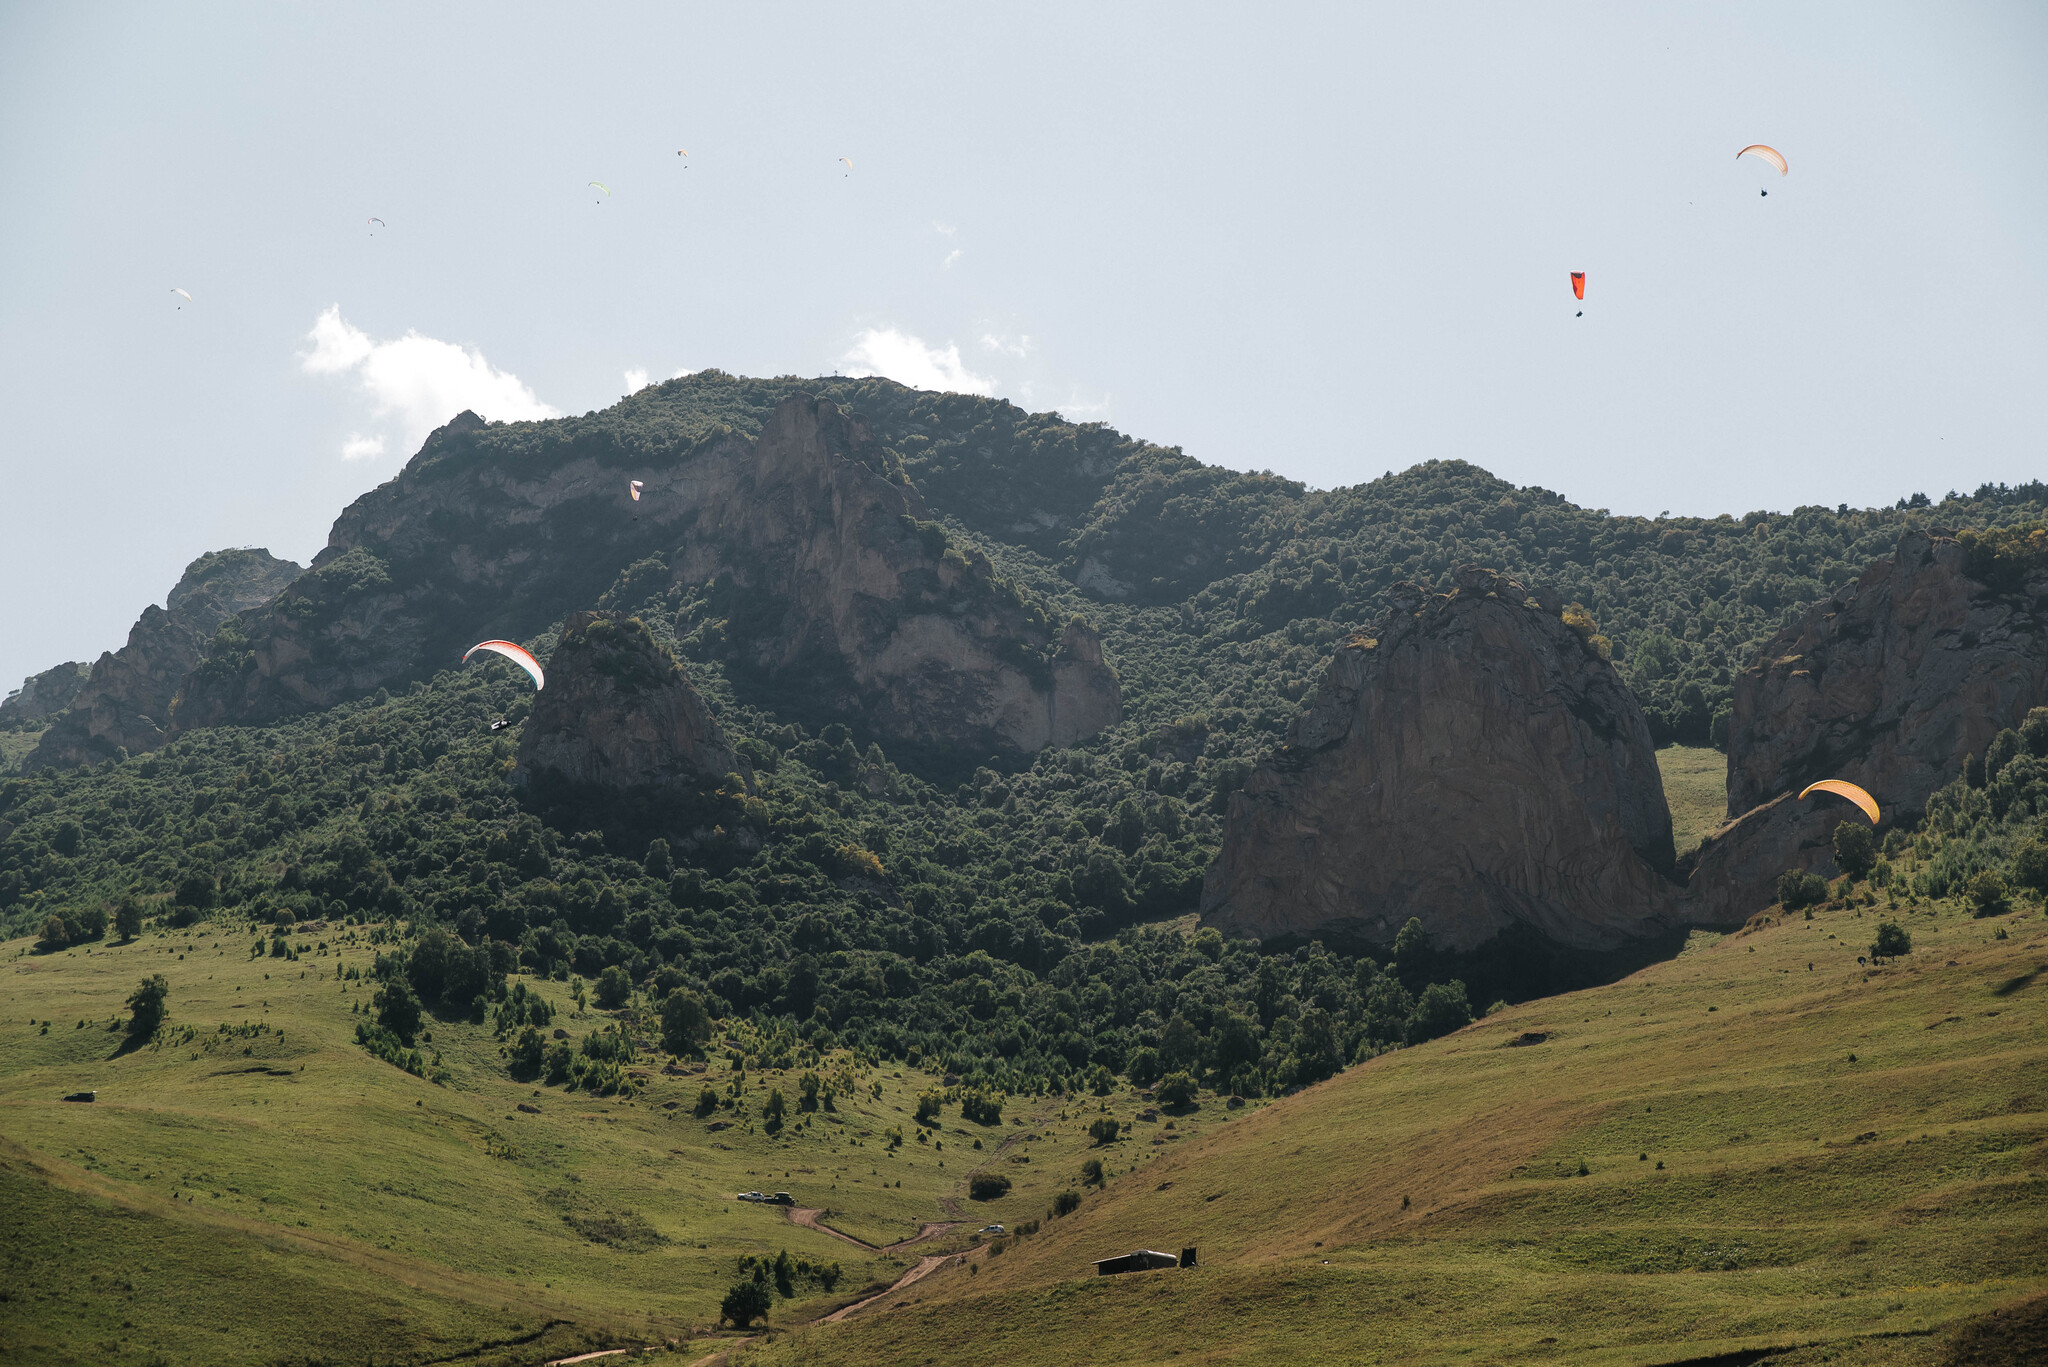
column 1891, row 684
column 841, row 587
column 1470, row 761
column 42, row 696
column 127, row 701
column 619, row 717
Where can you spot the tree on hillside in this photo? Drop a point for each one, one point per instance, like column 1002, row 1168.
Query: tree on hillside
column 1798, row 889
column 1180, row 1045
column 528, row 1054
column 398, row 1009
column 1176, row 1091
column 1855, row 849
column 1317, row 1051
column 1412, row 953
column 433, row 961
column 1105, row 1130
column 196, row 895
column 2030, row 866
column 685, row 1024
column 1988, row 895
column 1233, row 1044
column 1091, row 1173
column 614, row 988
column 1892, row 941
column 987, row 1186
column 148, row 1003
column 128, row 918
column 775, row 1110
column 746, row 1301
column 1440, row 1009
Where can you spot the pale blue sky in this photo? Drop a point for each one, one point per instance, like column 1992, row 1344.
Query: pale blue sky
column 1330, row 241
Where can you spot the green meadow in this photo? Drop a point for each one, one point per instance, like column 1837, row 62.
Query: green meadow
column 1696, row 787
column 255, row 1187
column 1758, row 1146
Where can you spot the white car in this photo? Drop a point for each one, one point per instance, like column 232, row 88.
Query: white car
column 991, row 1229
column 751, row 1196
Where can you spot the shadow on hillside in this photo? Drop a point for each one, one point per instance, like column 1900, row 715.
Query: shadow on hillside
column 1520, row 964
column 2014, row 984
column 128, row 1045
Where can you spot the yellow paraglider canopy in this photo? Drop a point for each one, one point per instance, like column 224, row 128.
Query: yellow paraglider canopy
column 1763, row 153
column 1841, row 788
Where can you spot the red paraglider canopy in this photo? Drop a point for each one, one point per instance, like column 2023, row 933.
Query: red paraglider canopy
column 1578, row 284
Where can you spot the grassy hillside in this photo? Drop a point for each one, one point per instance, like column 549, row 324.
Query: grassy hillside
column 1696, row 787
column 1758, row 1144
column 1024, row 926
column 394, row 1219
column 14, row 744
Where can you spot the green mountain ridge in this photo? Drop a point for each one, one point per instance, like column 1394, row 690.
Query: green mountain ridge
column 916, row 927
column 1001, row 875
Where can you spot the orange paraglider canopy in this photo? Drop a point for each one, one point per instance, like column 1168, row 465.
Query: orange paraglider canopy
column 1848, row 790
column 1578, row 284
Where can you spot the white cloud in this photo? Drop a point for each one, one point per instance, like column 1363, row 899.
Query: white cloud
column 1004, row 346
column 417, row 383
column 636, row 379
column 336, row 345
column 951, row 257
column 360, row 447
column 942, row 229
column 908, row 360
column 1078, row 409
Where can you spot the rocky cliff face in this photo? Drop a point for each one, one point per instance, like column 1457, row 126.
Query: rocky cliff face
column 42, row 696
column 840, row 585
column 126, row 703
column 1469, row 761
column 1890, row 684
column 619, row 716
column 839, row 582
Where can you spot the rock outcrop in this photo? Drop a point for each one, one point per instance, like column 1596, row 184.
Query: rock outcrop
column 126, row 703
column 42, row 696
column 1471, row 762
column 840, row 586
column 618, row 716
column 1891, row 683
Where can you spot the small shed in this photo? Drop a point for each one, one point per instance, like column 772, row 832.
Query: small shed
column 1137, row 1260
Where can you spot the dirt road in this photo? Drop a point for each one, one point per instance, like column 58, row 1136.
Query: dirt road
column 925, row 1265
column 807, row 1216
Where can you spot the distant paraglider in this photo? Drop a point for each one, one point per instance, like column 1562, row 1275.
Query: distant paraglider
column 188, row 297
column 1770, row 156
column 598, row 184
column 1579, row 290
column 637, row 486
column 514, row 652
column 849, row 164
column 1841, row 788
column 379, row 222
